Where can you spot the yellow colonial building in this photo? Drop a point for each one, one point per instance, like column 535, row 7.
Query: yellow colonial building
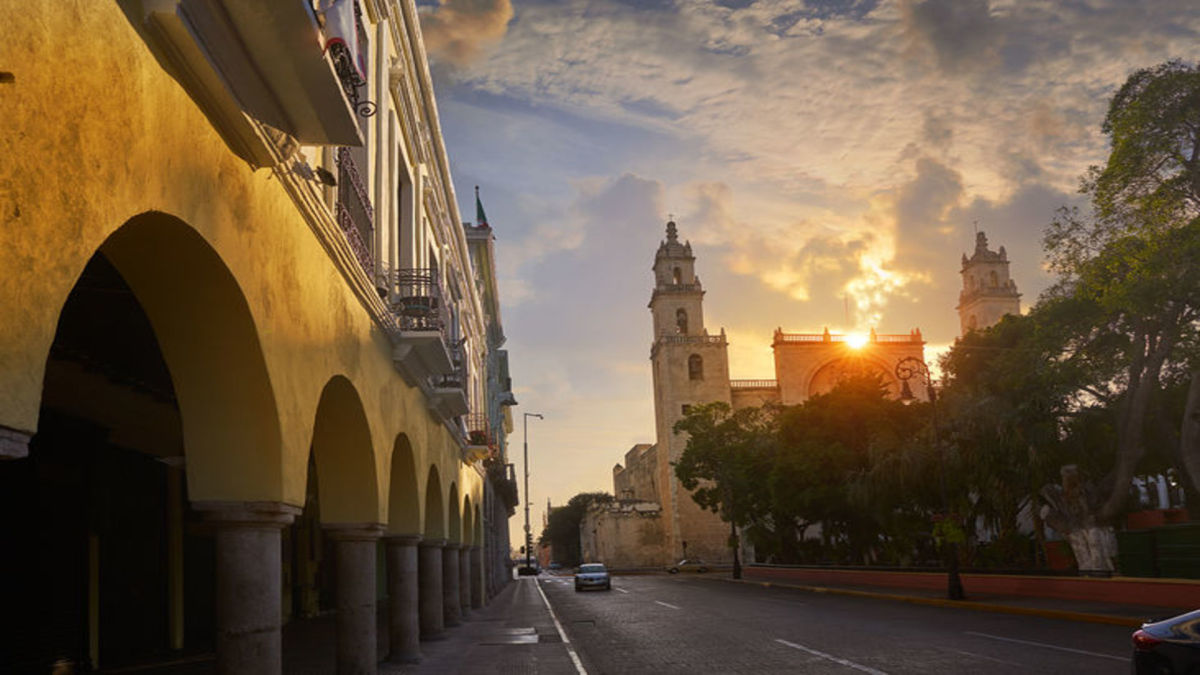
column 250, row 365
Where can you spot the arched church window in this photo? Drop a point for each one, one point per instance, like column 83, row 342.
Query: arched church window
column 994, row 279
column 695, row 367
column 681, row 326
column 677, row 276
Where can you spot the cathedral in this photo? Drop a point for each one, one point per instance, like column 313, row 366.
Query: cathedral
column 654, row 520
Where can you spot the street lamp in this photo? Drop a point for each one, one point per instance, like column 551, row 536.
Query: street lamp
column 528, row 535
column 906, row 369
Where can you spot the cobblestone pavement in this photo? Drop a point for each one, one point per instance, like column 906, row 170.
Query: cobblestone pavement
column 661, row 624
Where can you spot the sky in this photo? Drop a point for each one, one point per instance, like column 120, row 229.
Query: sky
column 829, row 160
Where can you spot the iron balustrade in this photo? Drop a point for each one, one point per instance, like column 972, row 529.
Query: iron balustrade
column 479, row 430
column 347, row 69
column 457, row 377
column 418, row 305
column 355, row 215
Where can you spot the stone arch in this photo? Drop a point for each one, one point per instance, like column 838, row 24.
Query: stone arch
column 468, row 524
column 681, row 321
column 435, row 510
column 828, row 374
column 695, row 367
column 210, row 343
column 454, row 530
column 345, row 462
column 404, row 503
column 676, row 276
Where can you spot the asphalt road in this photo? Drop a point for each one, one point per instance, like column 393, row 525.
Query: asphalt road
column 695, row 624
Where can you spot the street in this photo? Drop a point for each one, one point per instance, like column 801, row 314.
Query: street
column 691, row 624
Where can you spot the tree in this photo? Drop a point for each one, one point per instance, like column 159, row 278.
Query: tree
column 562, row 526
column 726, row 455
column 1132, row 264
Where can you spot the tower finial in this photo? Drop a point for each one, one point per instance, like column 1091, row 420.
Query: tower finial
column 672, row 235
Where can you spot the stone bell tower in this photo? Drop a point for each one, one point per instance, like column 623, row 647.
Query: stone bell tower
column 690, row 367
column 987, row 291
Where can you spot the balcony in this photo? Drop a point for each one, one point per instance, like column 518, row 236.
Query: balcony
column 504, row 481
column 355, row 215
column 450, row 389
column 421, row 321
column 480, row 441
column 263, row 58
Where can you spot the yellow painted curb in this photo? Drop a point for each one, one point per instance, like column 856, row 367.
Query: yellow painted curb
column 1066, row 615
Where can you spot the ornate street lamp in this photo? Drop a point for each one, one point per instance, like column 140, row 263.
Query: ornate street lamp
column 906, row 369
column 528, row 535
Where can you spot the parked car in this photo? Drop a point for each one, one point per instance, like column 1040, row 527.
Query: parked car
column 688, row 565
column 555, row 566
column 532, row 569
column 592, row 575
column 1168, row 646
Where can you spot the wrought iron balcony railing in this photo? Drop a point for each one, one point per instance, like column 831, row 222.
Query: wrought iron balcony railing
column 354, row 212
column 352, row 74
column 457, row 377
column 479, row 430
column 418, row 305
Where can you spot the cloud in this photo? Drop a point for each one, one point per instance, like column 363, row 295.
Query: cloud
column 458, row 30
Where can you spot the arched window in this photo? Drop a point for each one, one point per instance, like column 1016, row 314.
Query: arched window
column 681, row 326
column 995, row 280
column 972, row 323
column 695, row 367
column 677, row 276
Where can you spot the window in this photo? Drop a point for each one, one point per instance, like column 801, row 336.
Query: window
column 994, row 280
column 695, row 367
column 681, row 326
column 677, row 276
column 686, row 408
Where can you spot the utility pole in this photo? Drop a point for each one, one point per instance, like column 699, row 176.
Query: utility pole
column 528, row 533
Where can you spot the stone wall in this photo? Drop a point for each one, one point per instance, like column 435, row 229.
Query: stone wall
column 636, row 480
column 624, row 534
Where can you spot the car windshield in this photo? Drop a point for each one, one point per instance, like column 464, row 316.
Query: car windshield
column 590, row 569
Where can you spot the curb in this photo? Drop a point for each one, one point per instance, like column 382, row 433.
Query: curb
column 1063, row 614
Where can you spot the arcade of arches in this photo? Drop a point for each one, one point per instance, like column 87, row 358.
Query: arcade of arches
column 161, row 486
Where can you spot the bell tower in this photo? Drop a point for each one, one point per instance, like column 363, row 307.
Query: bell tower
column 690, row 367
column 987, row 291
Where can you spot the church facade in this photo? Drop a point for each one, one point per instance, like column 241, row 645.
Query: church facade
column 654, row 520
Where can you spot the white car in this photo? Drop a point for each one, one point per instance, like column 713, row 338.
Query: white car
column 592, row 575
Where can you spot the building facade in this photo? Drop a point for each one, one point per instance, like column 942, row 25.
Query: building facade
column 247, row 339
column 654, row 520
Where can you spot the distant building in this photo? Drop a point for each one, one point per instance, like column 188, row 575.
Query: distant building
column 654, row 520
column 987, row 291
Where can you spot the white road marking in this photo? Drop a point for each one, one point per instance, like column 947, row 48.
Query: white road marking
column 830, row 657
column 561, row 633
column 667, row 604
column 1042, row 644
column 620, row 590
column 982, row 656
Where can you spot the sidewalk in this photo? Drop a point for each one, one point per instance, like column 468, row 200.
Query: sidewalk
column 513, row 634
column 1071, row 610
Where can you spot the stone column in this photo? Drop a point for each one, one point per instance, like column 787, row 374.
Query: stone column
column 356, row 549
column 429, row 591
column 464, row 581
column 404, row 624
column 450, row 601
column 248, row 581
column 477, row 577
column 13, row 444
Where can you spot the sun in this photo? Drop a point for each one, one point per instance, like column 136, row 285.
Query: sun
column 856, row 340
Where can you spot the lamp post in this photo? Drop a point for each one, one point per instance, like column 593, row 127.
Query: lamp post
column 906, row 369
column 528, row 535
